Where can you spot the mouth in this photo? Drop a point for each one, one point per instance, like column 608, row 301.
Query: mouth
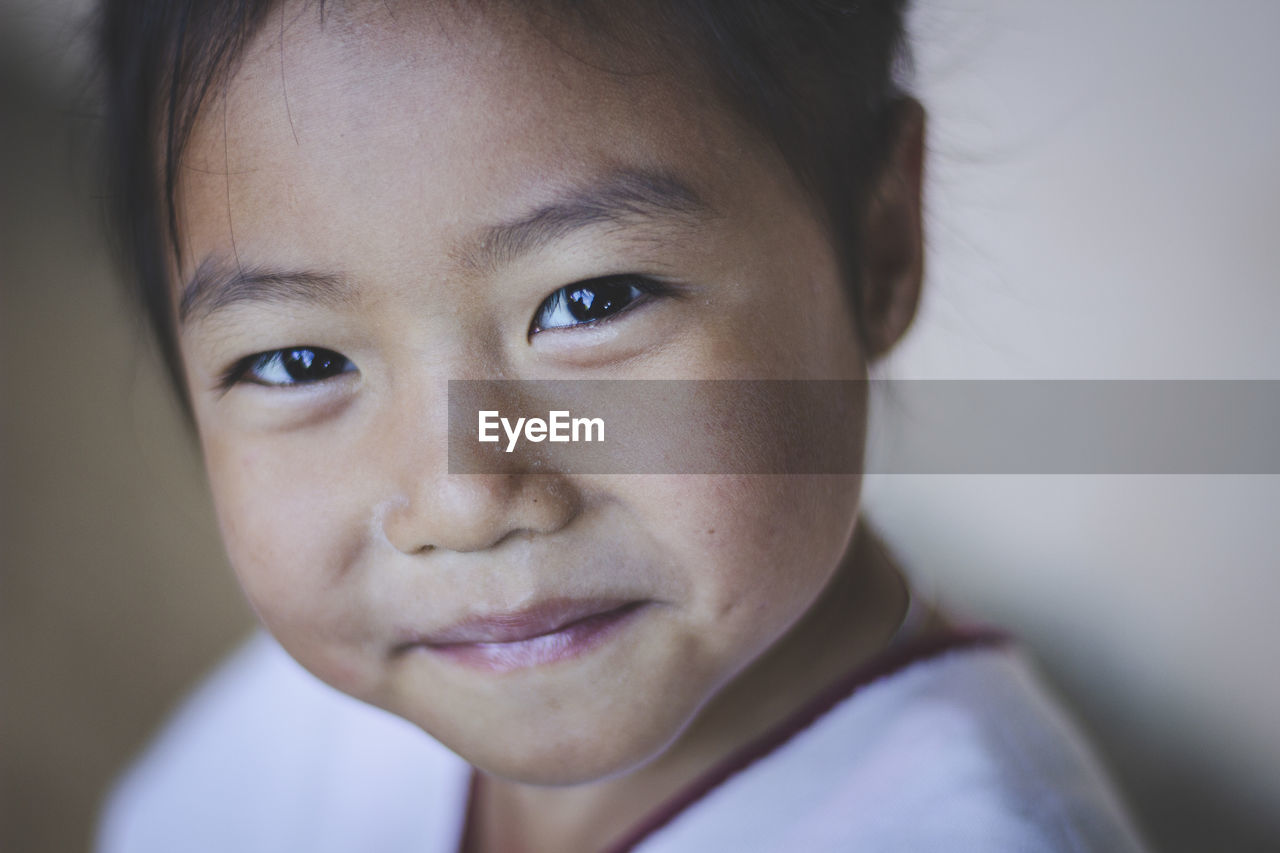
column 552, row 631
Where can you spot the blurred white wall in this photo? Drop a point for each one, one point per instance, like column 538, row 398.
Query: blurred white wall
column 1103, row 199
column 1103, row 204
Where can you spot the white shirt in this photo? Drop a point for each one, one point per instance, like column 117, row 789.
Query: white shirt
column 948, row 745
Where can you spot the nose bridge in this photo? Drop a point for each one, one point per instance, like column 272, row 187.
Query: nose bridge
column 430, row 508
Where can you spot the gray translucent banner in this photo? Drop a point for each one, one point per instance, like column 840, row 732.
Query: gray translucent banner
column 603, row 426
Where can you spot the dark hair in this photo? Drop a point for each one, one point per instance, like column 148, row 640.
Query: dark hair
column 816, row 77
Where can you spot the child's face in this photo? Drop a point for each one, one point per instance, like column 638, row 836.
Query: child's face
column 360, row 174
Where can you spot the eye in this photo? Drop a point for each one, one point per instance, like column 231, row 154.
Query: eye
column 591, row 301
column 290, row 366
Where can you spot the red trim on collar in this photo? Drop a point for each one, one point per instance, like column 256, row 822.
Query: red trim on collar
column 467, row 840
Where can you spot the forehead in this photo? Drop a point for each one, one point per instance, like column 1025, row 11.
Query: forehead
column 374, row 122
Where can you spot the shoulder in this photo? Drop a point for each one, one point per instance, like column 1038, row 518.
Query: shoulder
column 263, row 756
column 982, row 755
column 955, row 748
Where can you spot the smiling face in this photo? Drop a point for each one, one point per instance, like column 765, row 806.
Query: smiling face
column 381, row 205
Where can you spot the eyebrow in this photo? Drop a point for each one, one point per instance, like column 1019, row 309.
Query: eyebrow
column 628, row 195
column 216, row 285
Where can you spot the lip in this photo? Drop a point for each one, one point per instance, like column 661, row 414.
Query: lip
column 551, row 631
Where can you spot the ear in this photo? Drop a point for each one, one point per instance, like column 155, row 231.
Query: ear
column 893, row 236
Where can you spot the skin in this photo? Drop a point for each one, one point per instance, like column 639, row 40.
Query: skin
column 401, row 142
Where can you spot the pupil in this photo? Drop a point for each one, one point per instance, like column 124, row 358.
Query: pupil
column 598, row 300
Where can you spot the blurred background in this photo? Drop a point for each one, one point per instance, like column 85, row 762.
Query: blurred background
column 1104, row 200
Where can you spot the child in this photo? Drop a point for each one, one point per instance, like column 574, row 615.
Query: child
column 332, row 210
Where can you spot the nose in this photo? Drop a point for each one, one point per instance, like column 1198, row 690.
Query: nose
column 472, row 512
column 428, row 508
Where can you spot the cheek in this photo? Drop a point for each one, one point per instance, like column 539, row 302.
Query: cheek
column 757, row 550
column 289, row 539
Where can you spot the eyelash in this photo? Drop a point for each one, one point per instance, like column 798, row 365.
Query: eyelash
column 572, row 300
column 583, row 295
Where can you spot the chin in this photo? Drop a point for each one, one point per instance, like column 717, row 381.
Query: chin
column 572, row 763
column 554, row 751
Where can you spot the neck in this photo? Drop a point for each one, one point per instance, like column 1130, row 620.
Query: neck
column 854, row 618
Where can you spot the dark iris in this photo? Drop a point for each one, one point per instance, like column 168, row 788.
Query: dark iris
column 598, row 300
column 590, row 301
column 310, row 365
